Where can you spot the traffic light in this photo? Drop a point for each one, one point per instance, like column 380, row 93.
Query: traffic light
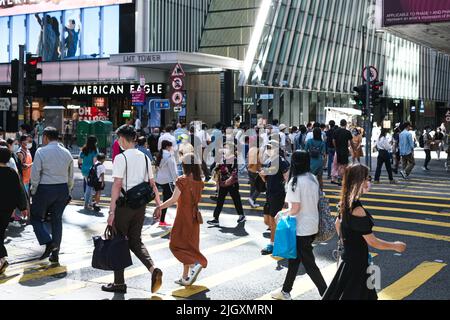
column 15, row 76
column 32, row 85
column 361, row 96
column 376, row 92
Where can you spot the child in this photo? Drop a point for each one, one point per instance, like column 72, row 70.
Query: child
column 100, row 185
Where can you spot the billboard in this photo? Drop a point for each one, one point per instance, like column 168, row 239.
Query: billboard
column 401, row 12
column 18, row 7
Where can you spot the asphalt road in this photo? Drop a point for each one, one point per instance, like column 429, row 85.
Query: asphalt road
column 415, row 211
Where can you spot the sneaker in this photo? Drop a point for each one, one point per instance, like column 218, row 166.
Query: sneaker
column 156, row 280
column 164, row 224
column 424, row 169
column 242, row 219
column 183, row 282
column 96, row 208
column 251, row 202
column 116, row 288
column 213, row 222
column 403, row 174
column 280, row 295
column 3, row 267
column 267, row 250
column 194, row 273
column 54, row 258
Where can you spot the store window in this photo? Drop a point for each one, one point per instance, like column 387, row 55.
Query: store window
column 90, row 41
column 48, row 32
column 4, row 32
column 72, row 34
column 110, row 27
column 18, row 31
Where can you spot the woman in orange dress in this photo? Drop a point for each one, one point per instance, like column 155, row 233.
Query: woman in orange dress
column 185, row 234
column 356, row 143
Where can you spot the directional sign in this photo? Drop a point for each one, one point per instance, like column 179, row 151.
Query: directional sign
column 5, row 104
column 178, row 71
column 177, row 83
column 177, row 98
column 177, row 109
column 373, row 74
column 160, row 104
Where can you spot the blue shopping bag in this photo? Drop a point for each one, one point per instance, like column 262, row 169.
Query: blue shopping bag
column 285, row 245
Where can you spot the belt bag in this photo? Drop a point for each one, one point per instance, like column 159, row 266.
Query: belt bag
column 140, row 195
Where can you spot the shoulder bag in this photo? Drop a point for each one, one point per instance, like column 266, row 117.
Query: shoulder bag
column 327, row 228
column 140, row 195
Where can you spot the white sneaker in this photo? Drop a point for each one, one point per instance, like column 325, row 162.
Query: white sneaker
column 280, row 295
column 183, row 282
column 424, row 169
column 252, row 203
column 194, row 273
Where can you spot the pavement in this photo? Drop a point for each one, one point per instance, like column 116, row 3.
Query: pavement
column 416, row 211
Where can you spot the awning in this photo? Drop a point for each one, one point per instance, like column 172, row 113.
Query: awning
column 166, row 60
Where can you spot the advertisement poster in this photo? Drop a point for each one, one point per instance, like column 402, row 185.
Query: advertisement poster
column 14, row 7
column 93, row 114
column 400, row 12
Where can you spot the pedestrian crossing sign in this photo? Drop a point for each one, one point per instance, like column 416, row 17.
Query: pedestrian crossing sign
column 178, row 71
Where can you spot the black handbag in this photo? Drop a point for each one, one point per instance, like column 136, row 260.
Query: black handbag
column 260, row 185
column 140, row 195
column 111, row 253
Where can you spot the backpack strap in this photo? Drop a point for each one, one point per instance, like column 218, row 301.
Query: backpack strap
column 126, row 176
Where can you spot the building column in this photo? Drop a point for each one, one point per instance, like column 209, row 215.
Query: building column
column 142, row 26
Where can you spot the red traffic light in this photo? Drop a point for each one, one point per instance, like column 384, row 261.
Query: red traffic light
column 33, row 60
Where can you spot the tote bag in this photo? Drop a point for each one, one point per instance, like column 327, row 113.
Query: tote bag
column 285, row 245
column 111, row 253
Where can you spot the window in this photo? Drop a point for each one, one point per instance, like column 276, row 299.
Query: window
column 18, row 31
column 90, row 41
column 110, row 29
column 4, row 31
column 72, row 34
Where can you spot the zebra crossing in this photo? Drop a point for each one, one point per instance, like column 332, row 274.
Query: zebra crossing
column 236, row 269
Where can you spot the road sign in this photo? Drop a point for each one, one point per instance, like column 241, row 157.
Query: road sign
column 177, row 98
column 178, row 71
column 5, row 104
column 160, row 104
column 138, row 98
column 373, row 74
column 177, row 109
column 177, row 83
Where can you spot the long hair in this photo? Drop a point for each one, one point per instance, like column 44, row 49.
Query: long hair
column 300, row 164
column 191, row 166
column 164, row 145
column 90, row 146
column 317, row 134
column 352, row 187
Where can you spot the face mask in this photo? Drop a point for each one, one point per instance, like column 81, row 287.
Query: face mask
column 15, row 148
column 29, row 146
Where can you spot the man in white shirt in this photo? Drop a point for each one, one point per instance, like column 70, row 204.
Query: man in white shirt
column 384, row 147
column 167, row 135
column 130, row 169
column 138, row 124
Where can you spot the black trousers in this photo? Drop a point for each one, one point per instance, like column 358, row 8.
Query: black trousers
column 304, row 255
column 167, row 194
column 4, row 221
column 427, row 157
column 129, row 222
column 383, row 158
column 234, row 193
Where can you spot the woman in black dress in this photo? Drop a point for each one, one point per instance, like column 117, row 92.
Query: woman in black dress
column 12, row 196
column 354, row 226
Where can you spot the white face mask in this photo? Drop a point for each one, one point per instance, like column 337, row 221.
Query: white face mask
column 29, row 146
column 15, row 148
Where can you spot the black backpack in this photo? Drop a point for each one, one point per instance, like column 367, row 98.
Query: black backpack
column 422, row 141
column 314, row 151
column 92, row 179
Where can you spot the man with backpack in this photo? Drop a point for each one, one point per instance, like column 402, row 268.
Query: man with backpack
column 330, row 146
column 425, row 141
column 96, row 179
column 300, row 138
column 406, row 145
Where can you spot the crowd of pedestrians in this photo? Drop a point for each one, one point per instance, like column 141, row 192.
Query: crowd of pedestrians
column 287, row 164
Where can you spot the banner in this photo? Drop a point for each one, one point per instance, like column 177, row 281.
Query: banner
column 16, row 7
column 400, row 12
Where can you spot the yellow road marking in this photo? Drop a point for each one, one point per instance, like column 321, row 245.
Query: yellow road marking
column 399, row 195
column 407, row 284
column 28, row 274
column 417, row 221
column 424, row 204
column 223, row 277
column 304, row 283
column 130, row 273
column 413, row 233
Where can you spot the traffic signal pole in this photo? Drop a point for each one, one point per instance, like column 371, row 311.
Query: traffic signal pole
column 368, row 120
column 21, row 87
